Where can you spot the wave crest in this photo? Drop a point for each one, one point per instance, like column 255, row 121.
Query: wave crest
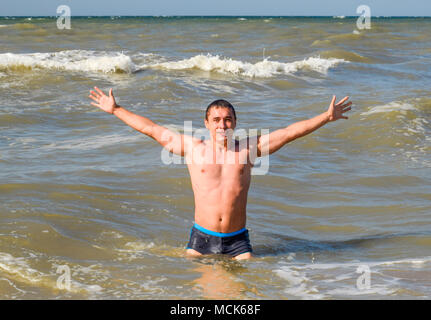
column 395, row 106
column 116, row 62
column 263, row 68
column 69, row 60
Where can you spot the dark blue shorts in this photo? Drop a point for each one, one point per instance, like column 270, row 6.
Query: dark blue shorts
column 206, row 241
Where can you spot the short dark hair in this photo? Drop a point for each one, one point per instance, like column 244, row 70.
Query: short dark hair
column 221, row 104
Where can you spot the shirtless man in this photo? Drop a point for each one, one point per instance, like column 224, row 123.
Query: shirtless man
column 220, row 168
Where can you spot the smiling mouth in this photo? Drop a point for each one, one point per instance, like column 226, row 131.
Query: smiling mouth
column 221, row 134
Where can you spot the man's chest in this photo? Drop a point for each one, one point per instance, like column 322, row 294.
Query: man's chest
column 229, row 168
column 219, row 160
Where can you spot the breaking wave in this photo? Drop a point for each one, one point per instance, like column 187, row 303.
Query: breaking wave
column 118, row 62
column 263, row 68
column 69, row 60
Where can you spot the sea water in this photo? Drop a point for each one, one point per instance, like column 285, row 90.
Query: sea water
column 343, row 213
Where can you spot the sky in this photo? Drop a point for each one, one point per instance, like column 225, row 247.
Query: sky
column 215, row 7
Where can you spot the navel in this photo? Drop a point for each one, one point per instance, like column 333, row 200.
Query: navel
column 202, row 170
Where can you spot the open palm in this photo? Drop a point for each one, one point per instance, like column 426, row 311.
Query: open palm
column 336, row 110
column 104, row 102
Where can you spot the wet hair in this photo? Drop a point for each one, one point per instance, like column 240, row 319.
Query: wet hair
column 219, row 104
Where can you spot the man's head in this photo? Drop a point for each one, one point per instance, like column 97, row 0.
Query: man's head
column 219, row 104
column 220, row 116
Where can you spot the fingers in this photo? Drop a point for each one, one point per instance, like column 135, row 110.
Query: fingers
column 345, row 106
column 94, row 96
column 333, row 100
column 342, row 101
column 99, row 91
column 111, row 92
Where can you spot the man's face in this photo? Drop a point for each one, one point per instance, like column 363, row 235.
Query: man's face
column 220, row 120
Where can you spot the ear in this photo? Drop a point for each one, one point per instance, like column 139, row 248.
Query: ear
column 206, row 124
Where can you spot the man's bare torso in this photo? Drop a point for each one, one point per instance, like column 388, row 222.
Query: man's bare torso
column 220, row 185
column 220, row 181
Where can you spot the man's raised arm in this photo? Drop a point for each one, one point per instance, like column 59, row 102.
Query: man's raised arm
column 272, row 142
column 174, row 142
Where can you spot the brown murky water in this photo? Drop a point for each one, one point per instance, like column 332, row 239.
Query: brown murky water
column 342, row 213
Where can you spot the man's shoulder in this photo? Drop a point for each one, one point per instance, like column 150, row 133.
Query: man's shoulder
column 194, row 141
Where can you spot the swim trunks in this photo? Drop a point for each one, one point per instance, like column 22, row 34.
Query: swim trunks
column 206, row 241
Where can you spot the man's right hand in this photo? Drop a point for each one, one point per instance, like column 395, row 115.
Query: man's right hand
column 104, row 102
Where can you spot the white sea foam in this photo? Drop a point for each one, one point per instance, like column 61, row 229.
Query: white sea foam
column 18, row 268
column 298, row 284
column 412, row 123
column 392, row 106
column 70, row 60
column 263, row 68
column 375, row 290
column 139, row 246
column 134, row 250
column 328, row 280
column 108, row 62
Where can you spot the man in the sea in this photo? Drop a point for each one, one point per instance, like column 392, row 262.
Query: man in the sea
column 220, row 168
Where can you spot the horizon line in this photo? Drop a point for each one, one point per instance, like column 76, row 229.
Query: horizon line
column 218, row 16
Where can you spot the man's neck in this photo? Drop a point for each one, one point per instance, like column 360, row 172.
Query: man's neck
column 221, row 145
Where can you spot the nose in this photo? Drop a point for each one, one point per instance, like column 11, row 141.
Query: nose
column 221, row 125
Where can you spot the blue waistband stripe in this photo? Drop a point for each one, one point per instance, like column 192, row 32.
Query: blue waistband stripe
column 218, row 234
